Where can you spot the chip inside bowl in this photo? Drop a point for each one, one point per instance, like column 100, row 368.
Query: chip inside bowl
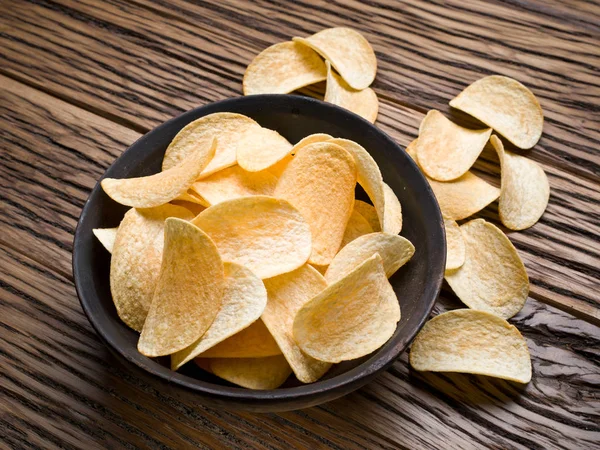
column 505, row 105
column 369, row 212
column 189, row 291
column 254, row 341
column 252, row 373
column 470, row 341
column 106, row 236
column 357, row 226
column 352, row 317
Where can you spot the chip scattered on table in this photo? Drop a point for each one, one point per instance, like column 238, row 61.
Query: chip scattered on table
column 455, row 245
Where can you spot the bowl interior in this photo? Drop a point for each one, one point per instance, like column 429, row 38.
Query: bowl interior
column 416, row 284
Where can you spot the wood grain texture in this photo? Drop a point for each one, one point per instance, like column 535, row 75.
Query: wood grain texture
column 97, row 74
column 144, row 67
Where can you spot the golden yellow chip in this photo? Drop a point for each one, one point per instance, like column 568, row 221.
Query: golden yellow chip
column 505, row 105
column 455, row 245
column 161, row 188
column 265, row 234
column 363, row 102
column 287, row 293
column 350, row 318
column 192, row 197
column 194, row 208
column 348, row 52
column 392, row 214
column 244, row 300
column 493, row 277
column 283, row 68
column 357, row 226
column 524, row 192
column 469, row 341
column 446, row 150
column 368, row 175
column 320, row 183
column 189, row 291
column 106, row 236
column 252, row 373
column 394, row 251
column 253, row 342
column 136, row 260
column 259, row 151
column 369, row 212
column 234, row 182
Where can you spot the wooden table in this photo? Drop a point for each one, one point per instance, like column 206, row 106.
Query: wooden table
column 81, row 80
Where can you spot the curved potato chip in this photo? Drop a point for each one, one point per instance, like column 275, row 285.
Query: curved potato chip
column 369, row 212
column 283, row 68
column 348, row 52
column 287, row 293
column 368, row 175
column 194, row 208
column 252, row 373
column 162, row 187
column 189, row 291
column 446, row 150
column 455, row 245
column 244, row 300
column 392, row 215
column 357, row 226
column 265, row 234
column 469, row 341
column 253, row 342
column 524, row 190
column 258, row 151
column 505, row 105
column 394, row 251
column 229, row 129
column 493, row 277
column 278, row 168
column 106, row 236
column 350, row 318
column 234, row 182
column 192, row 197
column 320, row 183
column 363, row 102
column 136, row 260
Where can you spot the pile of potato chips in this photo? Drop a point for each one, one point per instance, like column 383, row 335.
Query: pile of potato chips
column 483, row 268
column 292, row 65
column 251, row 255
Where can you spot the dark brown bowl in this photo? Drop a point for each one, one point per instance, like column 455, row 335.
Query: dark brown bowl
column 417, row 284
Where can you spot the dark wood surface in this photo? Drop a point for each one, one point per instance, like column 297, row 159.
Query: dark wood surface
column 80, row 81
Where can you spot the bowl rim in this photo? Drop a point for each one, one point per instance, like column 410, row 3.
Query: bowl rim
column 353, row 378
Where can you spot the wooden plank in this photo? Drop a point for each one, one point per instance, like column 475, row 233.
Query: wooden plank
column 565, row 277
column 62, row 387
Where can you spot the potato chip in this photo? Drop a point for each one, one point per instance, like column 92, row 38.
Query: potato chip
column 265, row 234
column 505, row 105
column 259, row 151
column 192, row 197
column 194, row 208
column 357, row 226
column 524, row 191
column 369, row 212
column 234, row 182
column 287, row 293
column 283, row 68
column 244, row 300
column 348, row 52
column 460, row 198
column 493, row 277
column 368, row 175
column 455, row 245
column 136, row 260
column 252, row 373
column 392, row 215
column 255, row 341
column 363, row 102
column 394, row 251
column 320, row 183
column 278, row 168
column 189, row 291
column 350, row 318
column 471, row 341
column 161, row 188
column 446, row 150
column 231, row 130
column 106, row 236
